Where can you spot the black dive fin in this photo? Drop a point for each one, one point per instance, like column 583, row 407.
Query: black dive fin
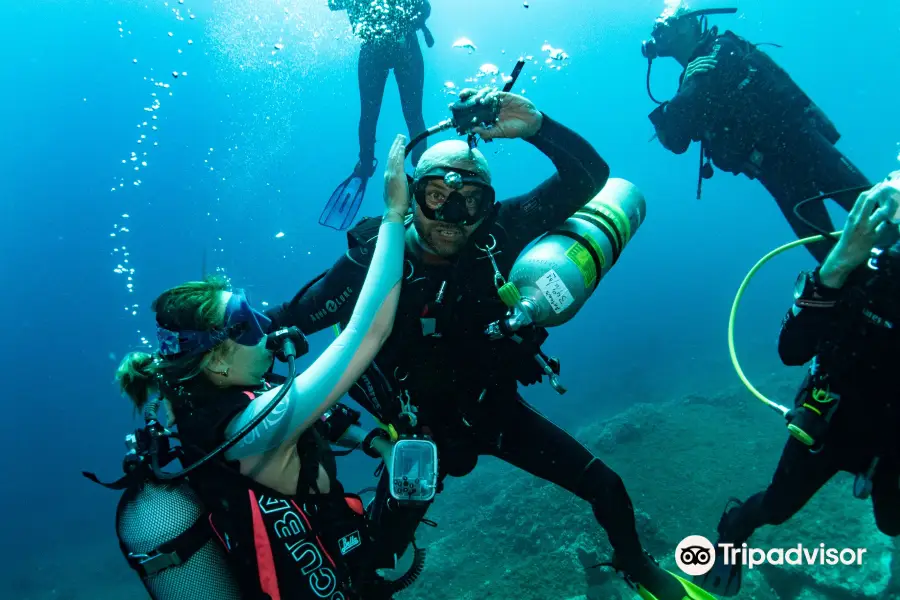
column 723, row 580
column 344, row 203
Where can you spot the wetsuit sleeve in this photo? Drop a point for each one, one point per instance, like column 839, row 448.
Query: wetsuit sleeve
column 332, row 374
column 684, row 117
column 580, row 174
column 329, row 300
column 803, row 329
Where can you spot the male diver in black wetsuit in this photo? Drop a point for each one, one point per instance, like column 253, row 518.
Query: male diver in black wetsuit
column 388, row 33
column 439, row 374
column 751, row 118
column 845, row 319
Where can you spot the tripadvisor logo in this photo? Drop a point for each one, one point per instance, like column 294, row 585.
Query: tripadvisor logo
column 695, row 555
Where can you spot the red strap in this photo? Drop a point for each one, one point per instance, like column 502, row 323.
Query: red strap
column 250, row 395
column 265, row 562
column 355, row 505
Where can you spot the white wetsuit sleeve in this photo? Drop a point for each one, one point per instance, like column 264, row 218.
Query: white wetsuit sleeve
column 331, row 375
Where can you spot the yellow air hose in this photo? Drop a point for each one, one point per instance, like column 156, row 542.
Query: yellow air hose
column 734, row 308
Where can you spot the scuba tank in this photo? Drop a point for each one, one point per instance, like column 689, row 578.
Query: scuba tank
column 555, row 277
column 163, row 527
column 165, row 532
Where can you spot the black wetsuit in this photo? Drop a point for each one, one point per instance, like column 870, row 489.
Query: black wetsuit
column 463, row 385
column 857, row 344
column 389, row 41
column 752, row 119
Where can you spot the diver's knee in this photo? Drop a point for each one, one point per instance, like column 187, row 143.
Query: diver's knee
column 600, row 485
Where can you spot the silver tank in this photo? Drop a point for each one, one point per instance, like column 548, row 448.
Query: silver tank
column 153, row 514
column 557, row 275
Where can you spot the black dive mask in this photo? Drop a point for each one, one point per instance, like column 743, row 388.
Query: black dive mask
column 661, row 38
column 457, row 207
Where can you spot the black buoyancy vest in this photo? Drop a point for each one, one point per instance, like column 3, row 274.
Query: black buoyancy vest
column 438, row 348
column 761, row 106
column 282, row 547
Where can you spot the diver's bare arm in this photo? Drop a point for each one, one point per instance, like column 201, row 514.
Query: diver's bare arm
column 332, row 374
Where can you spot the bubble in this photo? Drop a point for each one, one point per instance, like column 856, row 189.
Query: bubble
column 171, row 34
column 280, row 234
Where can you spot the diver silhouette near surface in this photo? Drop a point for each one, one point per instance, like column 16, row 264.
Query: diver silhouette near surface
column 389, row 43
column 750, row 118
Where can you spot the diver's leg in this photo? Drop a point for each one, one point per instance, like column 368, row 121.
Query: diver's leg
column 409, row 70
column 886, row 497
column 787, row 195
column 373, row 73
column 395, row 526
column 799, row 475
column 526, row 439
column 834, row 172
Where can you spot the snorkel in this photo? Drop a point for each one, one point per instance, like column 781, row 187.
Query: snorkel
column 657, row 46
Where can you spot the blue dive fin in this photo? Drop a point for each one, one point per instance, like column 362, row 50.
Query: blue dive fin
column 344, row 203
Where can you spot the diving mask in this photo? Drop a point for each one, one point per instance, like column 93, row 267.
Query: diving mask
column 663, row 29
column 440, row 196
column 414, row 470
column 243, row 324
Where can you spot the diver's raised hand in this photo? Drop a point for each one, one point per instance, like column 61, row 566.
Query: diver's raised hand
column 517, row 116
column 865, row 224
column 396, row 189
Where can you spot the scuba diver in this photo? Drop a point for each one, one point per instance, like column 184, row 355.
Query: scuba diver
column 750, row 118
column 845, row 320
column 257, row 512
column 389, row 41
column 439, row 378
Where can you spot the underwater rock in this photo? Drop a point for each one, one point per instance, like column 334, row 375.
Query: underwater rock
column 505, row 534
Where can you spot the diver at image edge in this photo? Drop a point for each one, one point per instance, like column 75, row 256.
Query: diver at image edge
column 389, row 43
column 750, row 118
column 452, row 365
column 845, row 320
column 217, row 528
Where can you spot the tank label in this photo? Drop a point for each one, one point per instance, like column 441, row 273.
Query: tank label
column 582, row 258
column 556, row 292
column 600, row 255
